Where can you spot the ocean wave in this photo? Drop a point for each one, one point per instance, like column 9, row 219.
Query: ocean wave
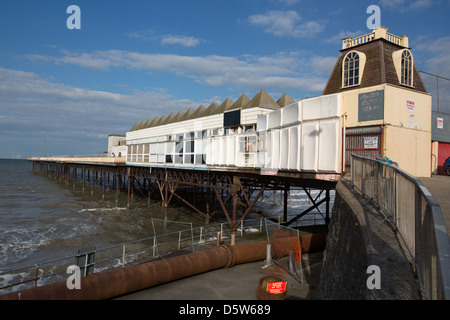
column 103, row 209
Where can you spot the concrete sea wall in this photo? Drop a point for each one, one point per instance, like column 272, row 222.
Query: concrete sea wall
column 358, row 237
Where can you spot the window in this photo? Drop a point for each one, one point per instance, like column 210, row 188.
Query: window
column 351, row 69
column 406, row 76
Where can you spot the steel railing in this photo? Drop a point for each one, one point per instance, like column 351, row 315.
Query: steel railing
column 415, row 214
column 134, row 252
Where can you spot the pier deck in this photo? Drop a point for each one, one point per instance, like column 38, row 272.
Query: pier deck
column 206, row 190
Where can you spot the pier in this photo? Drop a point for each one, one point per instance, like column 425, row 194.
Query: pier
column 231, row 192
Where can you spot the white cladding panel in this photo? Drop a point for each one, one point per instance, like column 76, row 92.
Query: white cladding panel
column 284, row 149
column 261, row 123
column 322, row 107
column 329, row 145
column 331, row 106
column 303, row 136
column 231, row 150
column 274, row 119
column 294, row 147
column 292, row 113
column 310, row 146
column 275, row 149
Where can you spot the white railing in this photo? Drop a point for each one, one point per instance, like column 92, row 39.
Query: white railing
column 378, row 33
column 82, row 159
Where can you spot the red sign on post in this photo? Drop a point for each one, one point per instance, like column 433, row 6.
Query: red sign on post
column 276, row 287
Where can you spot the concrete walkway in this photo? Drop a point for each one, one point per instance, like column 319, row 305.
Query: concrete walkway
column 439, row 186
column 236, row 283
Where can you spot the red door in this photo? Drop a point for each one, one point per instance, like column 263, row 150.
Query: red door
column 444, row 153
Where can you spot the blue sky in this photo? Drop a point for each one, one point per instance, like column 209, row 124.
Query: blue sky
column 133, row 60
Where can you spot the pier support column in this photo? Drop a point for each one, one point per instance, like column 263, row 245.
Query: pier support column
column 129, row 187
column 327, row 214
column 285, row 203
column 166, row 195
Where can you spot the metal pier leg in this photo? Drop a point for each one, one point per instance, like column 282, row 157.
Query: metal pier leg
column 286, row 192
column 327, row 214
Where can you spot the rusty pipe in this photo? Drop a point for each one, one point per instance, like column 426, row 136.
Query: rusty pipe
column 117, row 282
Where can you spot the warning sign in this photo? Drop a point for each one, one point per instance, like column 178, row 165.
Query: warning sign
column 370, row 142
column 410, row 105
column 276, row 287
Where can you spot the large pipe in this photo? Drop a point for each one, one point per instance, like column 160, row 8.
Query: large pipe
column 117, row 282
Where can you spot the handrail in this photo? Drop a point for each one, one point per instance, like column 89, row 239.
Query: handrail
column 175, row 242
column 415, row 214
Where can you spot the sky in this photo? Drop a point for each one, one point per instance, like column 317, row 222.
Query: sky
column 63, row 90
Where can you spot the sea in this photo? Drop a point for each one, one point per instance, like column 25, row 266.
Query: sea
column 44, row 219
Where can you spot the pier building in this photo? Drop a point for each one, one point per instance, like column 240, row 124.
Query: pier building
column 374, row 103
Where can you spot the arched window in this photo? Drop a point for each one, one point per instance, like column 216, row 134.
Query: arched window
column 407, row 67
column 351, row 69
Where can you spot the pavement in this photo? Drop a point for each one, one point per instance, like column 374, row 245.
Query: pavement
column 237, row 283
column 439, row 186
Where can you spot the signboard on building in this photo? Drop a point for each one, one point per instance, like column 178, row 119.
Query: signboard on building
column 371, row 106
column 440, row 128
column 410, row 105
column 370, row 142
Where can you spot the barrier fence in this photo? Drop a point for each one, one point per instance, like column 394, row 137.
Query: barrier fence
column 160, row 245
column 415, row 214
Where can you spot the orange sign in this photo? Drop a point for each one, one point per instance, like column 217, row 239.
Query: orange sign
column 276, row 287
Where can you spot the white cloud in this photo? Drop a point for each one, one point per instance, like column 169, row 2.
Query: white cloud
column 181, row 40
column 286, row 24
column 75, row 120
column 279, row 71
column 345, row 34
column 168, row 39
column 405, row 5
column 438, row 55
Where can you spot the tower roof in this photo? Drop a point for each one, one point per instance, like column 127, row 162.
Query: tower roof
column 379, row 67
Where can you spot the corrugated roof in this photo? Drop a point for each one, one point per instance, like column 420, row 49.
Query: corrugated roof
column 162, row 120
column 133, row 128
column 178, row 116
column 170, row 118
column 226, row 104
column 242, row 101
column 262, row 99
column 187, row 114
column 285, row 100
column 154, row 122
column 146, row 123
column 209, row 111
column 198, row 112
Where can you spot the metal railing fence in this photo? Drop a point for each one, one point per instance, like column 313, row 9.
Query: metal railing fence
column 439, row 87
column 415, row 214
column 137, row 251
